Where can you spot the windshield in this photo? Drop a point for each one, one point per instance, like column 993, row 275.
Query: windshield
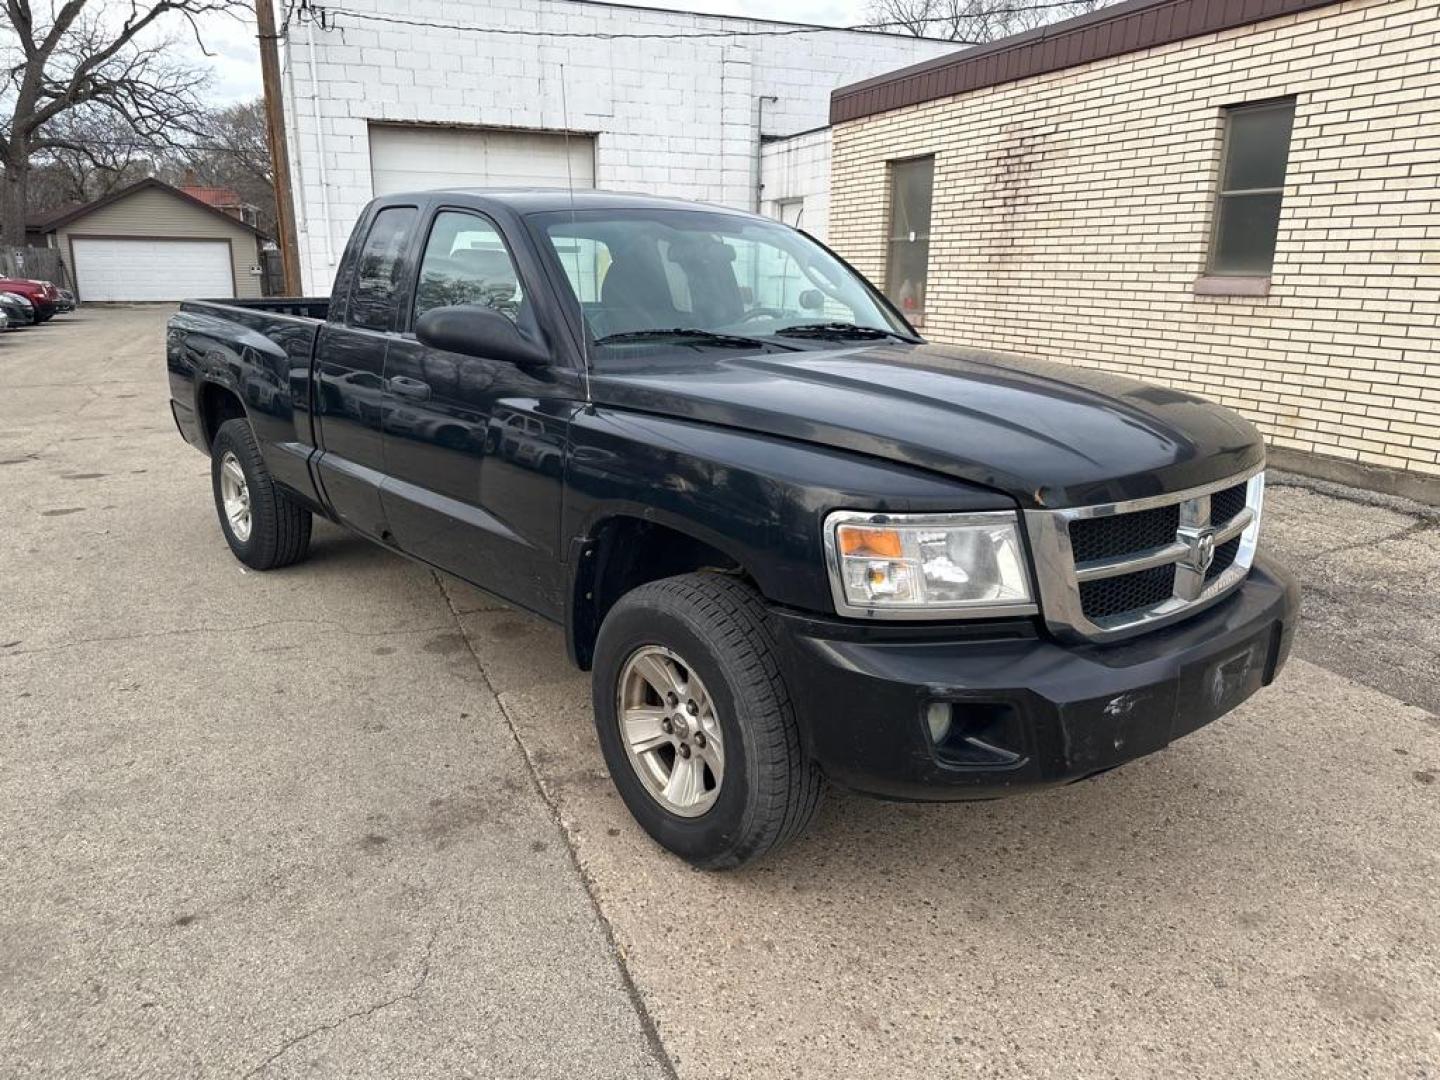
column 718, row 280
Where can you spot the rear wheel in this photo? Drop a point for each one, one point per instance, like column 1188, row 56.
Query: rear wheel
column 696, row 723
column 264, row 527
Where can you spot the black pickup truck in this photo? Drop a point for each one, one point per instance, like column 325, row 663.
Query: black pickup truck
column 792, row 541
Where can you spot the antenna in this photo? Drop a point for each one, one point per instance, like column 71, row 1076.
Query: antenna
column 570, row 184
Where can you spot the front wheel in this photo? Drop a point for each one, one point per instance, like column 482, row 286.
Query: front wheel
column 696, row 724
column 264, row 527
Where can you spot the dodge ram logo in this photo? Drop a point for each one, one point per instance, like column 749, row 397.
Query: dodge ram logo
column 1202, row 550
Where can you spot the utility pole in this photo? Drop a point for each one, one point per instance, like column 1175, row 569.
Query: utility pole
column 279, row 148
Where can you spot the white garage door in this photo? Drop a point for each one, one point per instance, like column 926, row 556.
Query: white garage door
column 422, row 158
column 115, row 268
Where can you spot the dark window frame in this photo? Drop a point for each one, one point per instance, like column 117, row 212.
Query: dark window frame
column 407, row 325
column 1213, row 255
column 892, row 169
column 356, row 276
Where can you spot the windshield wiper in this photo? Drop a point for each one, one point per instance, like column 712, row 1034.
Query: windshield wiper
column 841, row 330
column 709, row 337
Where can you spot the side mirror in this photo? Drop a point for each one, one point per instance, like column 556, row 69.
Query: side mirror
column 476, row 330
column 812, row 300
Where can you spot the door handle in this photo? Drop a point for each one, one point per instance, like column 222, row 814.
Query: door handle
column 409, row 388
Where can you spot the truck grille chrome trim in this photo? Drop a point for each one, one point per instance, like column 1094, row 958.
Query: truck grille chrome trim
column 1096, row 569
column 1143, row 563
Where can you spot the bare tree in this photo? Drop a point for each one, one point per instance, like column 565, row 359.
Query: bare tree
column 238, row 133
column 111, row 159
column 231, row 151
column 82, row 59
column 974, row 21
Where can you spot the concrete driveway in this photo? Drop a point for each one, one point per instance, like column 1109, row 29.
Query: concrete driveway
column 349, row 819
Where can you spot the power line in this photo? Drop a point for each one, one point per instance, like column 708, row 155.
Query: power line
column 157, row 148
column 325, row 16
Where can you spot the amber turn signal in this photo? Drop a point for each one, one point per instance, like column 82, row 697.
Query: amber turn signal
column 871, row 542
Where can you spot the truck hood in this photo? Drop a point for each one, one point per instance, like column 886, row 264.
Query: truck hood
column 1049, row 435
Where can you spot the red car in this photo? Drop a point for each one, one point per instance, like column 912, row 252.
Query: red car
column 42, row 294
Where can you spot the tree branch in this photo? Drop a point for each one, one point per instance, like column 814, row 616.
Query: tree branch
column 83, row 63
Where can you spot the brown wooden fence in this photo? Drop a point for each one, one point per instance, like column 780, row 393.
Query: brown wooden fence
column 33, row 262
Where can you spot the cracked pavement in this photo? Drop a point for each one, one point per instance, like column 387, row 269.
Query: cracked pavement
column 349, row 820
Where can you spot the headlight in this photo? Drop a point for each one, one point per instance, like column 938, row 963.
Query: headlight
column 927, row 566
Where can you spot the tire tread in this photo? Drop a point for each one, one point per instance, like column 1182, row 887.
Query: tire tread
column 728, row 613
column 279, row 526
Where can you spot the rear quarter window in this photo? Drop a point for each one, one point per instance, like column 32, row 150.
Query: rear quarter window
column 375, row 295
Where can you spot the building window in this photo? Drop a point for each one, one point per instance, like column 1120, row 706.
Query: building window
column 908, row 258
column 1252, row 181
column 790, row 212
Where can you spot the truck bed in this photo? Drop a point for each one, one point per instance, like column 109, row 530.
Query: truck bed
column 260, row 352
column 304, row 307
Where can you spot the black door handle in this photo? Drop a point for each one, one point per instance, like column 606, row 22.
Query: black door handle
column 409, row 388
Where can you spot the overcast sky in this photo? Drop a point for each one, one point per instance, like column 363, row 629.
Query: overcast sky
column 237, row 65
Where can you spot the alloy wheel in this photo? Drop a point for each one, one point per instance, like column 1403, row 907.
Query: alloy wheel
column 670, row 731
column 235, row 495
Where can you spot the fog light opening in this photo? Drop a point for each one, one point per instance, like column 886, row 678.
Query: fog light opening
column 975, row 734
column 939, row 716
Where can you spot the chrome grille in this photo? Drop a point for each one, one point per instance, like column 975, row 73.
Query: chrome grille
column 1227, row 502
column 1122, row 534
column 1105, row 598
column 1118, row 569
column 1224, row 558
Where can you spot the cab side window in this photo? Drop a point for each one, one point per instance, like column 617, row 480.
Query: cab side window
column 373, row 297
column 466, row 262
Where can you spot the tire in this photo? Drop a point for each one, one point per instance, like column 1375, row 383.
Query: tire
column 278, row 531
column 714, row 627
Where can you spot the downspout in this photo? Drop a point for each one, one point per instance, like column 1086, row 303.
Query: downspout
column 760, row 147
column 319, row 145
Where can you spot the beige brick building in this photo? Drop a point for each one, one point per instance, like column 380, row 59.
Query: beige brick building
column 1082, row 179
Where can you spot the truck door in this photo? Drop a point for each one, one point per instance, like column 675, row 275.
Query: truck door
column 474, row 446
column 350, row 372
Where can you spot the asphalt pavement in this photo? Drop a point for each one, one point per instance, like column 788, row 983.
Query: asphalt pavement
column 349, row 819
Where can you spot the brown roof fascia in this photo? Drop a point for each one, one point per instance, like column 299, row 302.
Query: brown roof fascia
column 1112, row 31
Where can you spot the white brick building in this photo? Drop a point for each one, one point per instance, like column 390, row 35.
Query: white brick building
column 796, row 175
column 387, row 96
column 1236, row 197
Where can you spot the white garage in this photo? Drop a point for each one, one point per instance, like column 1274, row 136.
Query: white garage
column 420, row 158
column 124, row 268
column 154, row 242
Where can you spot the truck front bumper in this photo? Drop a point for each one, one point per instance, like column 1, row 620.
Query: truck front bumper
column 1024, row 711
